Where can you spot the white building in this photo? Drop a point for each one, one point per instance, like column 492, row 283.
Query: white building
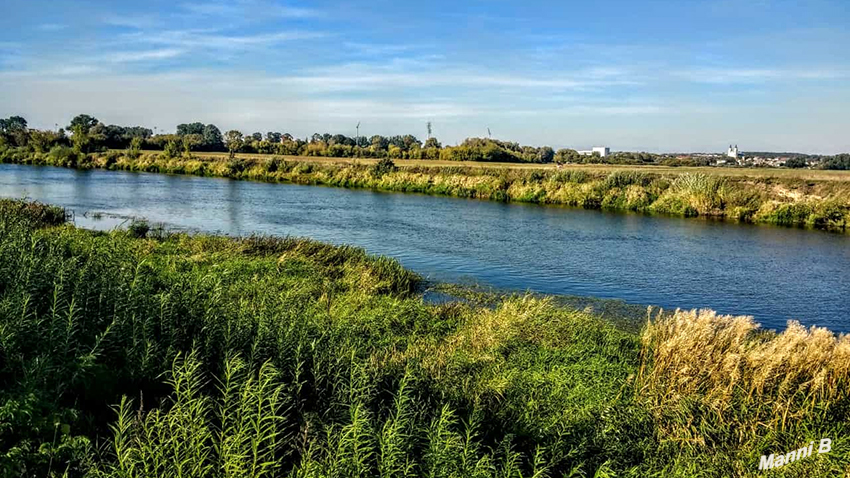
column 733, row 152
column 602, row 150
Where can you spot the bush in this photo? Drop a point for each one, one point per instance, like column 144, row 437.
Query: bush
column 139, row 229
column 64, row 156
column 383, row 167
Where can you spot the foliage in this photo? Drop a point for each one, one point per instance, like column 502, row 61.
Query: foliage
column 796, row 163
column 383, row 167
column 209, row 356
column 785, row 201
column 839, row 161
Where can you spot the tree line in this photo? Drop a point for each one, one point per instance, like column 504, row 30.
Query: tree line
column 86, row 134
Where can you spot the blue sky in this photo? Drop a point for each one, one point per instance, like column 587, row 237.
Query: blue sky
column 634, row 75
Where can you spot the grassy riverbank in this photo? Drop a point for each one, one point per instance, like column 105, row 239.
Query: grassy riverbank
column 147, row 354
column 796, row 199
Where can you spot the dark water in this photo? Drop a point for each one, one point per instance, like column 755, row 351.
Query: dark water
column 774, row 274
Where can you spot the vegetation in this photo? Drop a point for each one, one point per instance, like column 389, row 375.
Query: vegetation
column 789, row 201
column 162, row 355
column 88, row 134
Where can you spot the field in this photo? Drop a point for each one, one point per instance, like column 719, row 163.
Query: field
column 801, row 174
column 143, row 353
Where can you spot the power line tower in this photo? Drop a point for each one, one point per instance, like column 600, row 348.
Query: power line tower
column 357, row 139
column 489, row 135
column 429, row 130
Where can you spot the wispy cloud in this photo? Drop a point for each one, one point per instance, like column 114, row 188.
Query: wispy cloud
column 376, row 49
column 238, row 8
column 51, row 27
column 131, row 21
column 724, row 76
column 188, row 39
column 297, row 12
column 131, row 56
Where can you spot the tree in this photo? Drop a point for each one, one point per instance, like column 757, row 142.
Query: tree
column 212, row 138
column 171, row 150
column 545, row 154
column 135, row 149
column 234, row 142
column 190, row 128
column 80, row 138
column 796, row 163
column 83, row 122
column 379, row 143
column 13, row 124
column 432, row 143
column 14, row 129
column 190, row 142
column 43, row 141
column 273, row 137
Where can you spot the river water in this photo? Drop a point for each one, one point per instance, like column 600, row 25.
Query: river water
column 771, row 273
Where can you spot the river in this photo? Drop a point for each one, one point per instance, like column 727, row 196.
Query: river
column 771, row 273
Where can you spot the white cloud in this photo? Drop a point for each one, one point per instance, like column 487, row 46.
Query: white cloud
column 236, row 9
column 755, row 75
column 131, row 56
column 51, row 27
column 207, row 40
column 131, row 21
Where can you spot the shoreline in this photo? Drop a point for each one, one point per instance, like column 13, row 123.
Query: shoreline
column 795, row 202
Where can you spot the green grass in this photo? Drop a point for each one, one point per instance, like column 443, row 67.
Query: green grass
column 810, row 199
column 159, row 354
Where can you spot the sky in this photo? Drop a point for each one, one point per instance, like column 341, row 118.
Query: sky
column 661, row 76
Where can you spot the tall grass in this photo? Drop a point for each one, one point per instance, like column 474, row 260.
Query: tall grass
column 719, row 385
column 173, row 355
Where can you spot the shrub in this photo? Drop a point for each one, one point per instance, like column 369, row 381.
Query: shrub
column 135, row 149
column 139, row 229
column 64, row 156
column 383, row 167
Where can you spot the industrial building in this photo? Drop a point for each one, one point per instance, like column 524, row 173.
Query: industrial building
column 602, row 150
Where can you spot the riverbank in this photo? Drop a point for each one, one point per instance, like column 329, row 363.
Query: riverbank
column 303, row 359
column 781, row 200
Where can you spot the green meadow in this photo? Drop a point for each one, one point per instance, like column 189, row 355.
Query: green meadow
column 809, row 199
column 146, row 353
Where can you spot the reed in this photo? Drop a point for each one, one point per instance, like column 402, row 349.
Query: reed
column 170, row 355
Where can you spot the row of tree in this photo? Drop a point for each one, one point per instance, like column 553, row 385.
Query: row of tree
column 87, row 134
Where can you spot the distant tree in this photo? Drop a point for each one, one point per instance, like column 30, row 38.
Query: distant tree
column 379, row 143
column 545, row 154
column 273, row 137
column 796, row 163
column 83, row 123
column 257, row 136
column 212, row 138
column 190, row 128
column 234, row 142
column 80, row 138
column 171, row 150
column 191, row 142
column 14, row 129
column 839, row 161
column 135, row 149
column 432, row 143
column 44, row 141
column 12, row 124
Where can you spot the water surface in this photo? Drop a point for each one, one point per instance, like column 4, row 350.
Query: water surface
column 771, row 273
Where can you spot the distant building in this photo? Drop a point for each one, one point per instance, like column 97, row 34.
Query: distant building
column 602, row 150
column 733, row 152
